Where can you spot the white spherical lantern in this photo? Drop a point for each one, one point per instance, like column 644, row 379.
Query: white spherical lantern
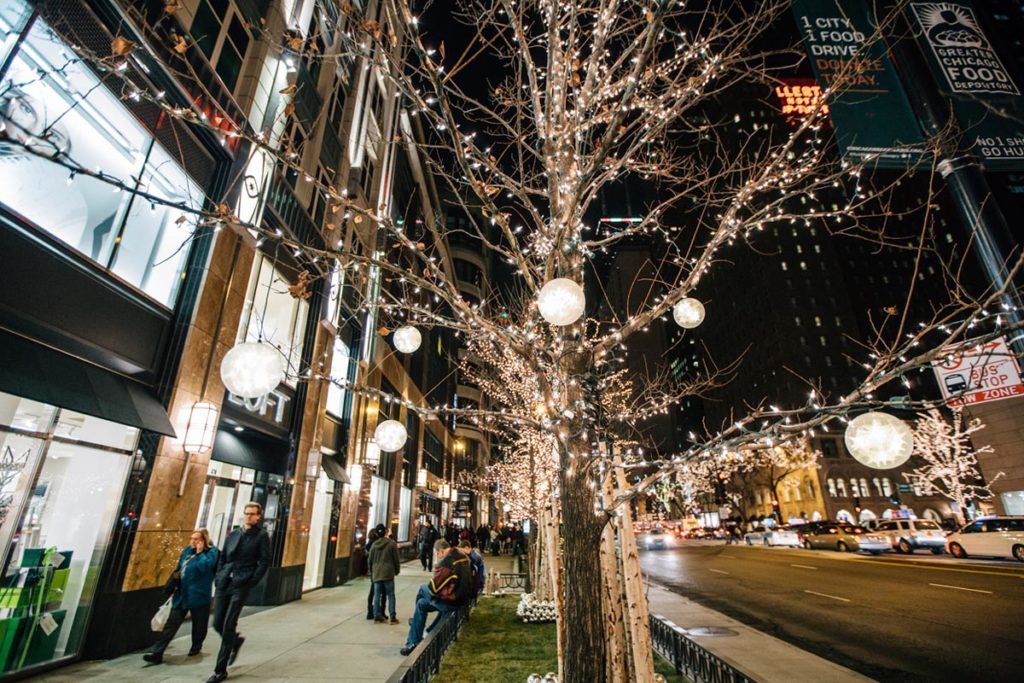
column 252, row 369
column 879, row 440
column 407, row 339
column 688, row 313
column 561, row 301
column 390, row 436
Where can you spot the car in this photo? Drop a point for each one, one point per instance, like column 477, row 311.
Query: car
column 755, row 536
column 655, row 539
column 989, row 537
column 781, row 536
column 907, row 535
column 843, row 537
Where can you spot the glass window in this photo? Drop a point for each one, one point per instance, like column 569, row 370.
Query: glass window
column 55, row 105
column 273, row 314
column 340, row 369
column 62, row 477
column 854, row 490
column 864, row 490
column 841, row 488
column 886, row 486
column 405, row 510
column 379, row 501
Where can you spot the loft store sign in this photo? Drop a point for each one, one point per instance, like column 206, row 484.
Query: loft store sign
column 274, row 408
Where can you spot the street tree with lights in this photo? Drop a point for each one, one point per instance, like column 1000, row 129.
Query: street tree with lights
column 949, row 459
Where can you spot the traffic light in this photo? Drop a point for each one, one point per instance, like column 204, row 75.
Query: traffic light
column 856, row 504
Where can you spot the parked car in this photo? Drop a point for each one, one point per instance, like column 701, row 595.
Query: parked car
column 755, row 536
column 655, row 539
column 989, row 537
column 844, row 538
column 781, row 536
column 907, row 535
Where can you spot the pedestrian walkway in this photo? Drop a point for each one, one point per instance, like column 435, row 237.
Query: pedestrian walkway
column 325, row 636
column 756, row 654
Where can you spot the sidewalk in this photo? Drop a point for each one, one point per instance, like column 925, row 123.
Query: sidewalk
column 325, row 636
column 758, row 655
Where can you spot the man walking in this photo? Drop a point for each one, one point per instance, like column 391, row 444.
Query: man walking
column 243, row 562
column 425, row 539
column 449, row 588
column 385, row 565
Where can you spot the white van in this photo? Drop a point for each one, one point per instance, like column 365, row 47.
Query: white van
column 989, row 536
column 907, row 535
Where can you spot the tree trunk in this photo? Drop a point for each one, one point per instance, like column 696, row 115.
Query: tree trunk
column 585, row 646
column 612, row 596
column 638, row 624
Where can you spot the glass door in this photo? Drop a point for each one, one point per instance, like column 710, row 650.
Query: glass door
column 319, row 527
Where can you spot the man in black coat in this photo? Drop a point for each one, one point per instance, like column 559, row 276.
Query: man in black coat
column 425, row 539
column 242, row 563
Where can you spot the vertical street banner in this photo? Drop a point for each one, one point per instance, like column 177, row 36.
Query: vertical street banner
column 986, row 99
column 982, row 373
column 870, row 113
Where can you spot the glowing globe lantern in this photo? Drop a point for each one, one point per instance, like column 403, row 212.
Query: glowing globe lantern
column 407, row 339
column 390, row 436
column 561, row 301
column 252, row 369
column 688, row 313
column 879, row 440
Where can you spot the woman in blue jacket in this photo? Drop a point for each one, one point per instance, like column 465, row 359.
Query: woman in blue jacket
column 193, row 593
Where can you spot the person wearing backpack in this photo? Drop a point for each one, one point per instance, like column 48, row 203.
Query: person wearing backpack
column 450, row 588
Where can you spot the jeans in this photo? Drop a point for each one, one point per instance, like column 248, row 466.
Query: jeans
column 200, row 622
column 383, row 590
column 425, row 603
column 227, row 608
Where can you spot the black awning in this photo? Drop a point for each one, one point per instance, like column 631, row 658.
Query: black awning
column 334, row 468
column 42, row 374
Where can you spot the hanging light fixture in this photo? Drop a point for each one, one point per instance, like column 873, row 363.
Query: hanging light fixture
column 454, row 494
column 252, row 369
column 407, row 339
column 879, row 440
column 444, row 491
column 202, row 428
column 561, row 301
column 372, row 457
column 688, row 313
column 421, row 477
column 390, row 436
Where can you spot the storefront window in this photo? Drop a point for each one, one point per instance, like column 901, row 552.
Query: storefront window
column 379, row 501
column 228, row 488
column 273, row 314
column 404, row 514
column 319, row 528
column 52, row 104
column 62, row 477
column 340, row 366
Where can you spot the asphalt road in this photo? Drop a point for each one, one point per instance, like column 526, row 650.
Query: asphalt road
column 893, row 618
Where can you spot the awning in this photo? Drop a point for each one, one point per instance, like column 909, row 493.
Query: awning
column 42, row 374
column 334, row 469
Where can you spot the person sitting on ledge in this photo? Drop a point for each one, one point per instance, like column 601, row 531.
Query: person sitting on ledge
column 449, row 588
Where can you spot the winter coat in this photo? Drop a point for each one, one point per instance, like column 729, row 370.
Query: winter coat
column 426, row 537
column 452, row 582
column 479, row 571
column 383, row 560
column 244, row 559
column 195, row 586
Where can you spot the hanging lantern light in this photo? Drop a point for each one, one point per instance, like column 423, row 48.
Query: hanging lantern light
column 202, row 427
column 561, row 301
column 879, row 440
column 390, row 436
column 454, row 495
column 252, row 369
column 407, row 339
column 372, row 457
column 688, row 313
column 444, row 491
column 421, row 477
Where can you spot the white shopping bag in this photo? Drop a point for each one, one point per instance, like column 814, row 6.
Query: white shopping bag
column 159, row 619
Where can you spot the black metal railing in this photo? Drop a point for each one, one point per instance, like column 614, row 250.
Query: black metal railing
column 511, row 582
column 424, row 662
column 689, row 658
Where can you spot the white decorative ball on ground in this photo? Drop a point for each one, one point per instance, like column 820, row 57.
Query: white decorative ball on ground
column 252, row 369
column 390, row 436
column 879, row 440
column 407, row 339
column 688, row 313
column 561, row 301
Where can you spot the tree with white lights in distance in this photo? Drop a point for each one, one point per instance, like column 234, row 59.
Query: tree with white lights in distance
column 949, row 460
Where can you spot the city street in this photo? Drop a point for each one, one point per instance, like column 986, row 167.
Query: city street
column 893, row 618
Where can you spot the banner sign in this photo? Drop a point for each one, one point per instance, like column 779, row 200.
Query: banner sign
column 983, row 373
column 970, row 71
column 871, row 115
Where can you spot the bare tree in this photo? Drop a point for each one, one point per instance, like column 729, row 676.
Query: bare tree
column 949, row 459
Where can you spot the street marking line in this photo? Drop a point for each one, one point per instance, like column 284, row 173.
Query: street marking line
column 907, row 565
column 804, row 566
column 826, row 595
column 718, row 571
column 959, row 588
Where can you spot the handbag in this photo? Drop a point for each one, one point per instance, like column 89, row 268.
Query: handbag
column 159, row 619
column 174, row 582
